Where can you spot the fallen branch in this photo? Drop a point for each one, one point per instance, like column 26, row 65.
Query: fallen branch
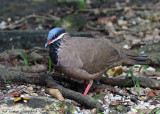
column 121, row 82
column 10, row 74
column 106, row 10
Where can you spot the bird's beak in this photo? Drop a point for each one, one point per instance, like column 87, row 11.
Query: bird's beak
column 48, row 43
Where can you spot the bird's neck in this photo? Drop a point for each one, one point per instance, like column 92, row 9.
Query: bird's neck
column 54, row 48
column 54, row 51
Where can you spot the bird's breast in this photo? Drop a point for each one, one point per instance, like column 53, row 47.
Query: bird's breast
column 54, row 52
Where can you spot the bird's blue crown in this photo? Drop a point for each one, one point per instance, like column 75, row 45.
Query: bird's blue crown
column 55, row 32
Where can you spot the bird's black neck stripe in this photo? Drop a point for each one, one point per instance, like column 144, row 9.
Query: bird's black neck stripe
column 54, row 51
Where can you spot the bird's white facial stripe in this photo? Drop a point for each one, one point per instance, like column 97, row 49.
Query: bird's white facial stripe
column 59, row 37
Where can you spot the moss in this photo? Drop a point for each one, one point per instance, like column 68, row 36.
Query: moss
column 71, row 22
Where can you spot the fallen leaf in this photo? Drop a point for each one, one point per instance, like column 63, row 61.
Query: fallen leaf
column 115, row 71
column 28, row 91
column 55, row 93
column 17, row 99
column 106, row 19
column 115, row 103
column 153, row 93
column 16, row 94
column 25, row 98
column 62, row 109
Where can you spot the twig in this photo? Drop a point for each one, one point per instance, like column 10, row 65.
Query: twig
column 16, row 23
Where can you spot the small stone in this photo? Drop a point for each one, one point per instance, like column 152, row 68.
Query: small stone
column 4, row 91
column 43, row 90
column 25, row 101
column 116, row 98
column 9, row 19
column 136, row 41
column 21, row 87
column 11, row 91
column 122, row 22
column 151, row 107
column 34, row 94
column 38, row 87
column 147, row 104
column 133, row 111
column 126, row 46
column 124, row 27
column 93, row 111
column 158, row 105
column 8, row 86
column 134, row 22
column 30, row 88
column 151, row 69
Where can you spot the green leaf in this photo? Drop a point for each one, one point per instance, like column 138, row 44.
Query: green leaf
column 145, row 67
column 157, row 70
column 138, row 86
column 8, row 82
column 140, row 68
column 94, row 101
column 24, row 57
column 139, row 98
column 99, row 112
column 81, row 4
column 50, row 64
column 136, row 67
column 158, row 111
column 154, row 110
column 129, row 72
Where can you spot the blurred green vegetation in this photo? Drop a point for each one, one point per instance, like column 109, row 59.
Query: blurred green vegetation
column 71, row 22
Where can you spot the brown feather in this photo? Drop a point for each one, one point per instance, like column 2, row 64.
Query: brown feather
column 88, row 58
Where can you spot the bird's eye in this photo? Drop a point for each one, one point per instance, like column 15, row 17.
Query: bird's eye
column 56, row 36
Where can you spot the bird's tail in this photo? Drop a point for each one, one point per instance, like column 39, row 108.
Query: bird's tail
column 132, row 58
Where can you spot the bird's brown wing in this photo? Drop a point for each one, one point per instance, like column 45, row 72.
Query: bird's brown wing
column 89, row 54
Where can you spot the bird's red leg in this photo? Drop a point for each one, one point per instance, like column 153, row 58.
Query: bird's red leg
column 88, row 87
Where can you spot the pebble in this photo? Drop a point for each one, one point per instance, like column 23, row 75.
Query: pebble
column 126, row 46
column 151, row 107
column 38, row 87
column 116, row 98
column 21, row 87
column 158, row 105
column 31, row 85
column 11, row 91
column 30, row 88
column 146, row 104
column 151, row 69
column 133, row 111
column 140, row 107
column 8, row 86
column 34, row 94
column 43, row 90
column 93, row 111
column 4, row 91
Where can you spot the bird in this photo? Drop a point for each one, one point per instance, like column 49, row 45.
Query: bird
column 86, row 59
